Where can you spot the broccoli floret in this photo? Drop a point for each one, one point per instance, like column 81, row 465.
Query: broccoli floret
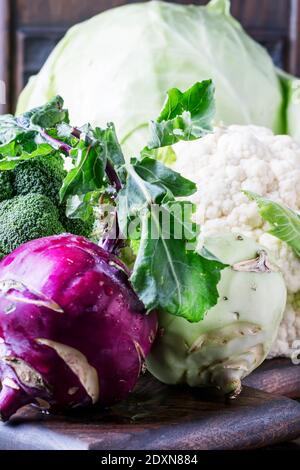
column 42, row 175
column 25, row 218
column 76, row 226
column 6, row 186
column 35, row 211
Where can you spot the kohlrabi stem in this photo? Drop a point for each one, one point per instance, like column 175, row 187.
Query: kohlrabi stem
column 113, row 244
column 112, row 176
column 56, row 143
column 110, row 171
column 110, row 244
column 112, row 241
column 76, row 132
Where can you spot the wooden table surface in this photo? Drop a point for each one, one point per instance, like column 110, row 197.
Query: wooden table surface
column 159, row 417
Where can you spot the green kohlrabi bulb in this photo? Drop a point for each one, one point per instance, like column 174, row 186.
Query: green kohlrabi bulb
column 118, row 65
column 236, row 335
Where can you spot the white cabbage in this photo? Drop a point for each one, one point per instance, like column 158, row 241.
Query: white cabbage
column 118, row 65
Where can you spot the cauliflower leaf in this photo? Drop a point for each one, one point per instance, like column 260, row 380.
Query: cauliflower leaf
column 285, row 223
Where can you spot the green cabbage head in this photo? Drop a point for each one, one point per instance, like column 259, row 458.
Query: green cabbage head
column 118, row 65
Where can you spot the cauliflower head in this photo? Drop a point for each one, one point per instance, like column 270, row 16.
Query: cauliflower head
column 237, row 158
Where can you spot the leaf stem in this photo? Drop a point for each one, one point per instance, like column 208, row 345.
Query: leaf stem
column 112, row 176
column 112, row 242
column 56, row 143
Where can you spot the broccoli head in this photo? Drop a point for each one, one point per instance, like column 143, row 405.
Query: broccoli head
column 6, row 185
column 78, row 227
column 42, row 175
column 25, row 218
column 75, row 226
column 30, row 206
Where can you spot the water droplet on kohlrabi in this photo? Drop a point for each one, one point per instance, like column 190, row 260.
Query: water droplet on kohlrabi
column 9, row 309
column 108, row 290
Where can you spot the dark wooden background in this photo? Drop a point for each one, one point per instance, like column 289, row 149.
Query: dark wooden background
column 29, row 29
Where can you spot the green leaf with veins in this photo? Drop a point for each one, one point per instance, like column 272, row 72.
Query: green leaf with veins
column 168, row 277
column 166, row 274
column 47, row 116
column 185, row 116
column 21, row 137
column 285, row 223
column 135, row 196
column 81, row 206
column 9, row 130
column 10, row 162
column 107, row 137
column 112, row 147
column 165, row 155
column 89, row 172
column 27, row 126
column 149, row 182
column 90, row 156
column 155, row 172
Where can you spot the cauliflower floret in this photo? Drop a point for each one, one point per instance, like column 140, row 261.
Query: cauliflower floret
column 237, row 158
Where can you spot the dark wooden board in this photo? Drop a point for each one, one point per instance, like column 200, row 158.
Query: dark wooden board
column 159, row 417
column 278, row 376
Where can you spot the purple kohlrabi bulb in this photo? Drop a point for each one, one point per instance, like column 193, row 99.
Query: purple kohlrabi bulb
column 72, row 330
